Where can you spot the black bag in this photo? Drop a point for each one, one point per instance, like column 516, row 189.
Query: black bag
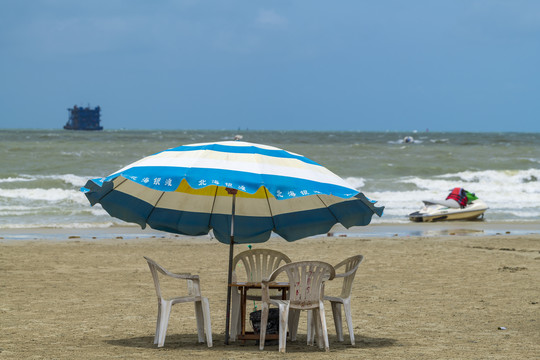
column 273, row 321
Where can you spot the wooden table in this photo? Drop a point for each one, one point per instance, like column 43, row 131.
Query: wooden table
column 244, row 287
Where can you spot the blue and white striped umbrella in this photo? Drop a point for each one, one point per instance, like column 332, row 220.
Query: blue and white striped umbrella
column 242, row 191
column 183, row 190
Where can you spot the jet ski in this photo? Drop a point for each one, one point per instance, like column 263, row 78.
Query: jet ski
column 469, row 208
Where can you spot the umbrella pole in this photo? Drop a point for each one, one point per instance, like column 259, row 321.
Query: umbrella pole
column 229, row 277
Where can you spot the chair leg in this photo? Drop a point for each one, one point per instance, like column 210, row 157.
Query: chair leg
column 324, row 329
column 294, row 318
column 156, row 337
column 316, row 328
column 207, row 322
column 336, row 313
column 310, row 328
column 264, row 322
column 348, row 317
column 236, row 315
column 200, row 321
column 283, row 322
column 164, row 321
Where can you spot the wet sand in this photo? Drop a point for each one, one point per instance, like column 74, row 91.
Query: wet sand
column 447, row 296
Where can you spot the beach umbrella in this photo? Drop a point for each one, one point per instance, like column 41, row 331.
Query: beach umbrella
column 241, row 191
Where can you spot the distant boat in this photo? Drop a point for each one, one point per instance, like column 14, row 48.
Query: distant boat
column 408, row 139
column 84, row 119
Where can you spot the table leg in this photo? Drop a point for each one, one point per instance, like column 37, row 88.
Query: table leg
column 243, row 313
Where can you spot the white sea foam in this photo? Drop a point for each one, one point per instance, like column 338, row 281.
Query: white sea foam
column 489, row 181
column 45, row 195
column 355, row 182
column 70, row 225
column 97, row 210
column 506, row 177
column 16, row 179
column 20, row 210
column 69, row 179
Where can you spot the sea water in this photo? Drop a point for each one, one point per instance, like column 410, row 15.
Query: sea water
column 42, row 171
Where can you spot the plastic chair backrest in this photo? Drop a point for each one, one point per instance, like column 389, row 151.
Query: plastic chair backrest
column 155, row 268
column 306, row 280
column 259, row 263
column 350, row 266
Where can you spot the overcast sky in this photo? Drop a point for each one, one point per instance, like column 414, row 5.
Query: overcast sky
column 454, row 65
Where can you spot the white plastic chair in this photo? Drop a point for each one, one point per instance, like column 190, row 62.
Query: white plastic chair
column 306, row 280
column 202, row 306
column 349, row 265
column 258, row 264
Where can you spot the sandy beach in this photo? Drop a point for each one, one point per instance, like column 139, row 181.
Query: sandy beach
column 415, row 297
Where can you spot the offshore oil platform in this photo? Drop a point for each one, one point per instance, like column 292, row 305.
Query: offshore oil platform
column 84, row 118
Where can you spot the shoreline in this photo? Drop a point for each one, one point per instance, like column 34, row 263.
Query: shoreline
column 448, row 228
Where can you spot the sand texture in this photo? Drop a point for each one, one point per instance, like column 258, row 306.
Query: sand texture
column 440, row 297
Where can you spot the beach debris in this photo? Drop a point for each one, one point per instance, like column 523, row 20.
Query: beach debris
column 74, row 237
column 502, row 328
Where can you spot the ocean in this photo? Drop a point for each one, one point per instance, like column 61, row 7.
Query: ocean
column 42, row 170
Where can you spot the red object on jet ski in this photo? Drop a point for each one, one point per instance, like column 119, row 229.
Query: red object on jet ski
column 459, row 195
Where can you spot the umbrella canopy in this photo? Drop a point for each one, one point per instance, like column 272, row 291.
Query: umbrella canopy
column 183, row 190
column 242, row 191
